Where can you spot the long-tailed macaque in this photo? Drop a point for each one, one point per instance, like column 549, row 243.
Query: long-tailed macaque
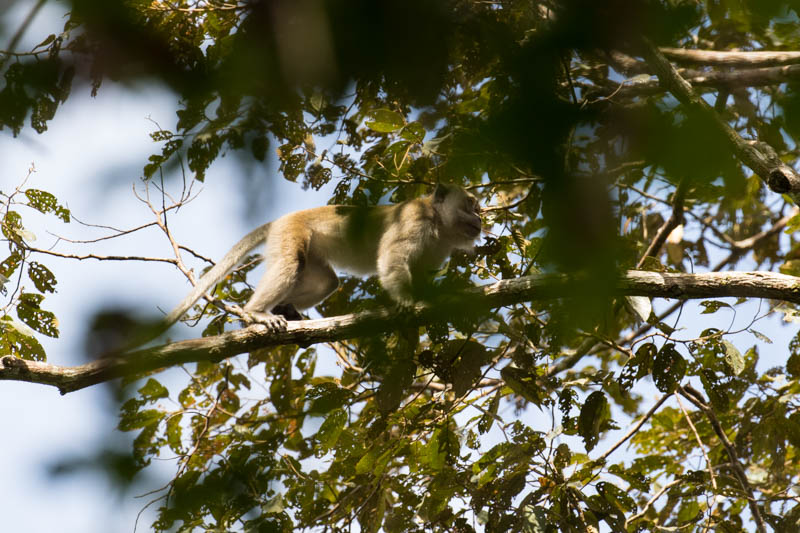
column 401, row 242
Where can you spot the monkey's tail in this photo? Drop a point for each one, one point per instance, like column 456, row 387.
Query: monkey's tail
column 208, row 280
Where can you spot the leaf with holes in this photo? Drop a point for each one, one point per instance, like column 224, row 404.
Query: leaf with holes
column 712, row 306
column 17, row 339
column 594, row 412
column 30, row 312
column 669, row 368
column 42, row 278
column 45, row 202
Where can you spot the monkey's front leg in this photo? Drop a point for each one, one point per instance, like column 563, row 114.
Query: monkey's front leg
column 395, row 278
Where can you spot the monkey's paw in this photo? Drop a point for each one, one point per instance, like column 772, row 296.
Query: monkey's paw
column 406, row 307
column 274, row 323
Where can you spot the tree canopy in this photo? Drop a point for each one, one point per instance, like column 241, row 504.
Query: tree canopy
column 636, row 163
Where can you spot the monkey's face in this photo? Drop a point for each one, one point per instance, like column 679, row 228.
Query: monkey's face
column 460, row 213
column 469, row 217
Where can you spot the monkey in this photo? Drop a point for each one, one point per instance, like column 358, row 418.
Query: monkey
column 400, row 242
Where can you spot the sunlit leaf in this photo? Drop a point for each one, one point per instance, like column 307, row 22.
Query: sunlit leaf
column 30, row 312
column 641, row 306
column 733, row 357
column 385, row 121
column 331, row 428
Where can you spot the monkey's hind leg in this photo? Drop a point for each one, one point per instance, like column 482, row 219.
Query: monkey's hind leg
column 287, row 311
column 286, row 260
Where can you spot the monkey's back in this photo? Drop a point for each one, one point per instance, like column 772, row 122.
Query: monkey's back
column 344, row 236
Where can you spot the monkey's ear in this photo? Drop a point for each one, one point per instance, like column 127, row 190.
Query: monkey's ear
column 440, row 193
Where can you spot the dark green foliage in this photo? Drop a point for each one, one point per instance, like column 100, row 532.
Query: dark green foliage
column 483, row 419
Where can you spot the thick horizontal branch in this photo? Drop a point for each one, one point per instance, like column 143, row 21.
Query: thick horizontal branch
column 761, row 58
column 508, row 292
column 778, row 176
column 751, row 77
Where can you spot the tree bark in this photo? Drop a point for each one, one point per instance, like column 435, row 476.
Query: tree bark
column 730, row 58
column 777, row 175
column 508, row 292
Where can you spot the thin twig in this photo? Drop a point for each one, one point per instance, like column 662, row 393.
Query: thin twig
column 703, row 451
column 697, row 399
column 635, row 428
column 675, row 219
column 12, row 45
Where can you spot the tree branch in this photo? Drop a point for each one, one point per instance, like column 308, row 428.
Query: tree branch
column 508, row 292
column 713, row 58
column 762, row 58
column 675, row 219
column 751, row 77
column 699, row 401
column 778, row 176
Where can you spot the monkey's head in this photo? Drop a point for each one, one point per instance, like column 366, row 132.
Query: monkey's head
column 459, row 213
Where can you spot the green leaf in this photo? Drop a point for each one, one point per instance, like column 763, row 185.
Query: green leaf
column 760, row 336
column 413, row 132
column 793, row 224
column 10, row 264
column 42, row 278
column 523, row 383
column 12, row 226
column 716, row 389
column 331, row 429
column 385, row 121
column 140, row 419
column 712, row 306
column 17, row 339
column 30, row 313
column 366, row 462
column 665, row 328
column 733, row 357
column 468, row 357
column 790, row 267
column 489, row 417
column 393, row 388
column 45, row 202
column 616, row 496
column 793, row 365
column 174, row 432
column 436, row 451
column 153, row 390
column 325, row 397
column 49, row 39
column 669, row 368
column 594, row 413
column 534, row 520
